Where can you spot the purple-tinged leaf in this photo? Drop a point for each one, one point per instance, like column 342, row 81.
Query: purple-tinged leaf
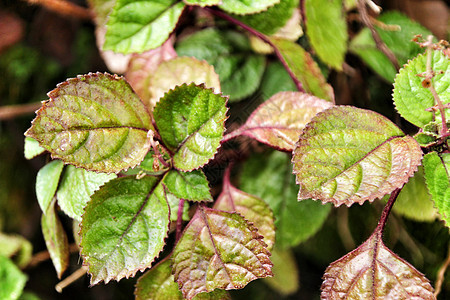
column 191, row 122
column 252, row 208
column 219, row 250
column 373, row 271
column 55, row 239
column 347, row 155
column 142, row 67
column 279, row 121
column 94, row 121
column 124, row 227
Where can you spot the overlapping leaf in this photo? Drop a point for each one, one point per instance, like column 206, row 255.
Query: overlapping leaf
column 190, row 121
column 46, row 183
column 252, row 208
column 32, row 148
column 279, row 121
column 372, row 271
column 411, row 99
column 347, row 155
column 174, row 203
column 219, row 250
column 269, row 177
column 330, row 45
column 94, row 121
column 304, row 68
column 76, row 187
column 55, row 239
column 437, row 178
column 239, row 69
column 12, row 279
column 138, row 26
column 244, row 7
column 158, row 284
column 192, row 186
column 178, row 71
column 124, row 227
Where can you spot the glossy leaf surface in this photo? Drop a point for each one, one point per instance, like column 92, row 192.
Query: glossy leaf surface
column 124, row 228
column 411, row 99
column 252, row 208
column 46, row 183
column 178, row 71
column 55, row 239
column 347, row 155
column 191, row 186
column 330, row 45
column 243, row 7
column 372, row 271
column 32, row 148
column 437, row 178
column 138, row 26
column 94, row 121
column 190, row 121
column 279, row 121
column 219, row 250
column 304, row 68
column 158, row 284
column 76, row 188
column 12, row 279
column 269, row 176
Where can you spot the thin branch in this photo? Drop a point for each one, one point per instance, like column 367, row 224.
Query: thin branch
column 365, row 18
column 261, row 36
column 71, row 279
column 64, row 7
column 12, row 111
column 387, row 210
column 42, row 256
column 441, row 273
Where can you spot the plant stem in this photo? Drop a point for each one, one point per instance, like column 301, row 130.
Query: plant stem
column 65, row 8
column 179, row 220
column 263, row 37
column 387, row 210
column 365, row 18
column 441, row 273
column 12, row 111
column 71, row 279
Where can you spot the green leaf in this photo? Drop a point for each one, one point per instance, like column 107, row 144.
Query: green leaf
column 76, row 188
column 174, row 202
column 151, row 163
column 373, row 271
column 271, row 20
column 32, row 148
column 94, row 121
column 137, row 26
column 244, row 7
column 12, row 280
column 330, row 45
column 239, row 69
column 397, row 39
column 17, row 248
column 252, row 208
column 285, row 278
column 347, row 155
column 270, row 177
column 202, row 3
column 218, row 250
column 190, row 120
column 124, row 227
column 55, row 239
column 414, row 201
column 276, row 79
column 304, row 68
column 437, row 178
column 191, row 186
column 181, row 70
column 142, row 67
column 411, row 99
column 158, row 284
column 46, row 183
column 280, row 120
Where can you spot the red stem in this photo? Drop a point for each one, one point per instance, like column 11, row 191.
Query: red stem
column 387, row 210
column 179, row 220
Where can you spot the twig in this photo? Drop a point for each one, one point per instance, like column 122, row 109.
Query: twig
column 64, row 7
column 365, row 18
column 45, row 255
column 441, row 273
column 12, row 111
column 387, row 210
column 71, row 279
column 258, row 34
column 179, row 220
